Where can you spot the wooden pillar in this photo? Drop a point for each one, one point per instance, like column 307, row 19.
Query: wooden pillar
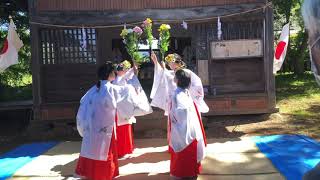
column 35, row 65
column 35, row 62
column 200, row 44
column 268, row 58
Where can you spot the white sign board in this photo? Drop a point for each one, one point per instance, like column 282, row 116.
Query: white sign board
column 236, row 49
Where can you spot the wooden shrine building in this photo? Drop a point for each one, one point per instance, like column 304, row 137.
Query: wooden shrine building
column 236, row 70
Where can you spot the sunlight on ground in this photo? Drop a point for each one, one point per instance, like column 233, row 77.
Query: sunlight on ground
column 150, row 149
column 52, row 166
column 148, row 168
column 242, row 145
column 230, row 158
column 150, row 160
column 130, row 165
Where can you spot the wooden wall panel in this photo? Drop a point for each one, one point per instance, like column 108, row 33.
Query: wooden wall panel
column 237, row 76
column 247, row 104
column 220, row 105
column 242, row 104
column 66, row 83
column 96, row 5
column 62, row 112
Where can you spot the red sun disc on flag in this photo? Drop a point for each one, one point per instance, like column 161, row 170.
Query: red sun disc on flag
column 5, row 47
column 280, row 49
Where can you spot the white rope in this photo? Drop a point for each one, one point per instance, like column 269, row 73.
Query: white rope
column 156, row 21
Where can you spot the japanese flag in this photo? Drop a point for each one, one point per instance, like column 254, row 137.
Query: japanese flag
column 12, row 45
column 281, row 49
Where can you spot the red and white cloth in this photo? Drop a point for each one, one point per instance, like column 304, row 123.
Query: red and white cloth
column 125, row 141
column 164, row 86
column 281, row 49
column 96, row 123
column 12, row 45
column 124, row 127
column 122, row 81
column 100, row 169
column 187, row 139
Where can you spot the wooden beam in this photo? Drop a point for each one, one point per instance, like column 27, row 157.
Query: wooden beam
column 96, row 18
column 35, row 65
column 268, row 58
column 101, row 5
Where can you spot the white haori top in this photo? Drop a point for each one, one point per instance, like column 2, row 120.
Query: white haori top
column 96, row 117
column 139, row 100
column 122, row 81
column 185, row 124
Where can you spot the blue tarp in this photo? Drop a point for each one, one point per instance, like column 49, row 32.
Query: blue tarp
column 15, row 159
column 292, row 155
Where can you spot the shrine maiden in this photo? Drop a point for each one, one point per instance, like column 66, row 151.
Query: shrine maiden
column 124, row 129
column 164, row 86
column 96, row 123
column 187, row 138
column 163, row 83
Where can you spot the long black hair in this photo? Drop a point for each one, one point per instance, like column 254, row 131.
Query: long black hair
column 104, row 72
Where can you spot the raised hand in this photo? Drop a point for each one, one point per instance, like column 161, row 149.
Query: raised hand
column 154, row 58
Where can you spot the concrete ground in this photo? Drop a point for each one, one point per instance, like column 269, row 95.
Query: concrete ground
column 227, row 159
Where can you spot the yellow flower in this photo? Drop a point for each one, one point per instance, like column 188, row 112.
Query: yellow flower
column 164, row 27
column 124, row 32
column 126, row 64
column 170, row 58
column 148, row 20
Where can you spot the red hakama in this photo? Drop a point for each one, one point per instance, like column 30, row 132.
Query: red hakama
column 184, row 163
column 125, row 140
column 100, row 170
